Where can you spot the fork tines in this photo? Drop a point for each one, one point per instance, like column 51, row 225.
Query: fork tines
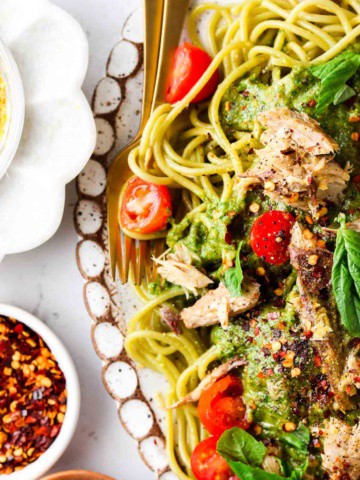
column 134, row 259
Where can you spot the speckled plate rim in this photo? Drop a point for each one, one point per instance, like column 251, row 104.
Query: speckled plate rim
column 116, row 106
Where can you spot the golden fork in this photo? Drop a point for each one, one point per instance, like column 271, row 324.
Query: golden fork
column 164, row 21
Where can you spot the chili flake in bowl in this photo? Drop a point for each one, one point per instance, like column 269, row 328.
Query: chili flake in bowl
column 39, row 396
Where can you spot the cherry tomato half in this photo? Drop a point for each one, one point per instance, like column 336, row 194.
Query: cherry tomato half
column 207, row 464
column 221, row 406
column 190, row 63
column 270, row 236
column 145, row 207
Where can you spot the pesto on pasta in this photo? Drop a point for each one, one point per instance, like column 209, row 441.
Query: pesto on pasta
column 259, row 172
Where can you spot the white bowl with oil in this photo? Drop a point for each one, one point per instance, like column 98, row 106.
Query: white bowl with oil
column 10, row 135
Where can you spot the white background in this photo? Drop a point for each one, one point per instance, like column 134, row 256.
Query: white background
column 46, row 282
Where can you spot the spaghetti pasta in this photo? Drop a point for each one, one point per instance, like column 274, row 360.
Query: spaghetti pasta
column 185, row 147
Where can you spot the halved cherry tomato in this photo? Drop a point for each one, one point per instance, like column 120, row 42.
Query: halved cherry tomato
column 221, row 406
column 270, row 236
column 190, row 63
column 145, row 207
column 207, row 464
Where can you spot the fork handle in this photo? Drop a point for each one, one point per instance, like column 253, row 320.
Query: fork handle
column 172, row 26
column 153, row 18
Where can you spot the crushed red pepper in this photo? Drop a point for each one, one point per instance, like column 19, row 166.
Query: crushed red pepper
column 32, row 396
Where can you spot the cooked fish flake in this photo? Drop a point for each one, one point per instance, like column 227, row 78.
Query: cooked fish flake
column 341, row 457
column 298, row 160
column 176, row 268
column 217, row 306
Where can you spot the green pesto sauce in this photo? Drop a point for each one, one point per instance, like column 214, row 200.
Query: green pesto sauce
column 206, row 234
column 275, row 395
column 246, row 99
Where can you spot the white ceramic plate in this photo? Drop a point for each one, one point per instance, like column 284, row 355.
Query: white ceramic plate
column 59, row 135
column 117, row 106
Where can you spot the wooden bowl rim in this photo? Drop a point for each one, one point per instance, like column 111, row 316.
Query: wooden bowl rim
column 77, row 475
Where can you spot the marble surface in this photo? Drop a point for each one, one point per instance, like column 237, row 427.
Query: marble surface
column 46, row 282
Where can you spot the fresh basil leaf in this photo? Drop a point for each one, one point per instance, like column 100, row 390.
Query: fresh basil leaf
column 344, row 94
column 334, row 75
column 299, row 439
column 348, row 302
column 246, row 472
column 234, row 276
column 244, row 454
column 346, row 278
column 354, row 270
column 238, row 445
column 352, row 245
column 325, row 69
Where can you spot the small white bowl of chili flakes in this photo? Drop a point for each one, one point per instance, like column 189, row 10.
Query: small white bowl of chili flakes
column 39, row 396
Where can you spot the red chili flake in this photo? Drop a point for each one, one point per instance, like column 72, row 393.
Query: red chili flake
column 261, row 375
column 311, row 103
column 354, row 119
column 257, row 331
column 356, row 181
column 18, row 328
column 308, row 334
column 357, row 379
column 228, row 238
column 33, row 396
column 317, row 360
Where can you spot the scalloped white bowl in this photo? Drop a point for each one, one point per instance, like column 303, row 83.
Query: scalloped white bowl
column 43, row 464
column 10, row 140
column 59, row 135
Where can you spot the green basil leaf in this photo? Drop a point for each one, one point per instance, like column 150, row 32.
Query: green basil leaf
column 349, row 303
column 325, row 69
column 298, row 439
column 234, row 276
column 238, row 445
column 246, row 472
column 334, row 75
column 346, row 278
column 244, row 454
column 354, row 269
column 344, row 94
column 352, row 245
